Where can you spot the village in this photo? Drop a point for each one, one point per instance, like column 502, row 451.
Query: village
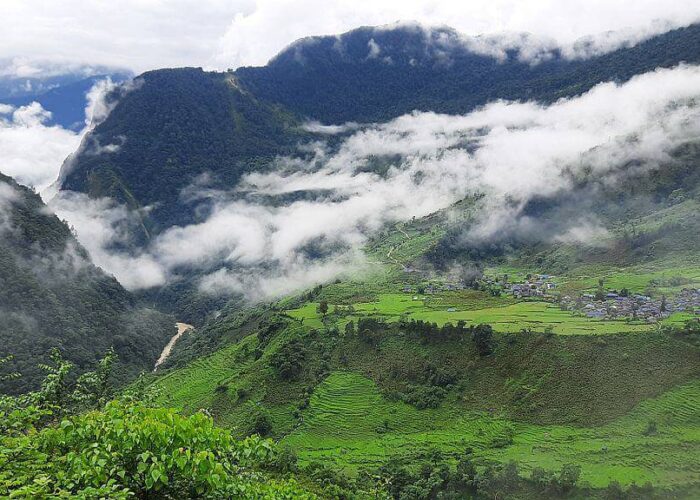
column 604, row 304
column 614, row 305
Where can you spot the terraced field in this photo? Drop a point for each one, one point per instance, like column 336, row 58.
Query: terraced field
column 349, row 423
column 192, row 388
column 504, row 314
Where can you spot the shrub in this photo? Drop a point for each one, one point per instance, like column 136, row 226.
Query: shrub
column 130, row 450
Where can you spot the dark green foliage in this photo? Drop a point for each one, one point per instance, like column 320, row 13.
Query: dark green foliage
column 316, row 79
column 425, row 396
column 174, row 125
column 288, row 361
column 323, row 307
column 483, row 339
column 260, row 423
column 51, row 296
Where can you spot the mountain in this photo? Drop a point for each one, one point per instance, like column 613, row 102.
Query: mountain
column 51, row 295
column 169, row 128
column 177, row 124
column 532, row 331
column 375, row 74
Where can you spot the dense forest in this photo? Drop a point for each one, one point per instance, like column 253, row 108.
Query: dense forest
column 52, row 296
column 334, row 79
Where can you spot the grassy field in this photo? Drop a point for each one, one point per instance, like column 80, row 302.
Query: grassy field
column 504, row 314
column 350, row 424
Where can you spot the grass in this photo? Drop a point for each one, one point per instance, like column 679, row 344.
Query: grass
column 504, row 314
column 350, row 424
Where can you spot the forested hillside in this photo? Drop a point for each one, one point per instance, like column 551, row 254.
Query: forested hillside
column 52, row 296
column 168, row 128
column 376, row 74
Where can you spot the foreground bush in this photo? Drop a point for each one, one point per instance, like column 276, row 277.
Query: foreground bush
column 127, row 450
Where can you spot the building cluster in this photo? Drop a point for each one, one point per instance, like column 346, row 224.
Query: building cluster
column 539, row 285
column 638, row 307
column 432, row 288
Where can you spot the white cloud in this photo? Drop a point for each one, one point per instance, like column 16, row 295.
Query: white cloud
column 102, row 224
column 252, row 39
column 30, row 150
column 8, row 196
column 509, row 152
column 39, row 36
column 138, row 34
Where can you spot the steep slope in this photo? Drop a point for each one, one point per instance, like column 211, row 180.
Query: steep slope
column 168, row 128
column 52, row 296
column 375, row 74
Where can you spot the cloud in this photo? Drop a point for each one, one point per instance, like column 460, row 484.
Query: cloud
column 103, row 227
column 30, row 150
column 140, row 35
column 580, row 27
column 257, row 241
column 8, row 196
column 40, row 38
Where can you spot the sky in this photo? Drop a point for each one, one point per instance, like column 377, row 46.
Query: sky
column 218, row 34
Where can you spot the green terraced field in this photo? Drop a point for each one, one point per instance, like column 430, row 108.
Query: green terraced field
column 345, row 425
column 504, row 314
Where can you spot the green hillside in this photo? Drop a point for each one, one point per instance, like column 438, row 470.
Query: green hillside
column 51, row 296
column 397, row 368
column 553, row 354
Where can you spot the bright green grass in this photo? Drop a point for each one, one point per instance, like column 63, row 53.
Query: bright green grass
column 504, row 314
column 341, row 426
column 192, row 387
column 637, row 279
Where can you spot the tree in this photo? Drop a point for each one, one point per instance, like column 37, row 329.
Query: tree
column 483, row 339
column 350, row 328
column 288, row 361
column 323, row 308
column 260, row 424
column 568, row 477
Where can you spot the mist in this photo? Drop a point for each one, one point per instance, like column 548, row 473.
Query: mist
column 507, row 153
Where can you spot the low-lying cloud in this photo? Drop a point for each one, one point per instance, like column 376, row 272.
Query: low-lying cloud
column 508, row 153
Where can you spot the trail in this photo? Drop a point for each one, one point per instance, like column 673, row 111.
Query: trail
column 394, row 247
column 182, row 328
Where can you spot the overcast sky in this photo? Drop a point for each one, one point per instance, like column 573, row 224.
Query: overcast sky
column 147, row 34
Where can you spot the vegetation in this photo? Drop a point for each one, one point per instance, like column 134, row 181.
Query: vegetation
column 428, row 378
column 70, row 440
column 336, row 86
column 51, row 296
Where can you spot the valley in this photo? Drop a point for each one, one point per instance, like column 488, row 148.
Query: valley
column 406, row 263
